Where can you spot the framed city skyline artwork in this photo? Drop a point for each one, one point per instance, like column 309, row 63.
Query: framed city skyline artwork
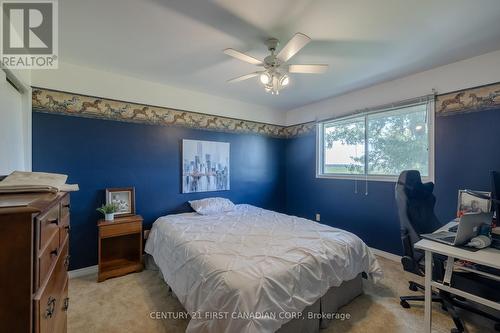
column 205, row 166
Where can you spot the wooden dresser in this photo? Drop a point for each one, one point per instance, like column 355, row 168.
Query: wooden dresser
column 34, row 260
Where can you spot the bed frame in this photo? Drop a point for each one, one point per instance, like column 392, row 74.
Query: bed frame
column 335, row 298
column 328, row 304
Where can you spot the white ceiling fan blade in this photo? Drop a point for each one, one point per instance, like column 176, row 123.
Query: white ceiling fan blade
column 243, row 77
column 308, row 69
column 293, row 46
column 242, row 56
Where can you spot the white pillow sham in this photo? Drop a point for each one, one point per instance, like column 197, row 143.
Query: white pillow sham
column 211, row 206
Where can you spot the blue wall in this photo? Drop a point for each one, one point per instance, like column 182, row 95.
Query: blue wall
column 467, row 147
column 97, row 154
column 272, row 173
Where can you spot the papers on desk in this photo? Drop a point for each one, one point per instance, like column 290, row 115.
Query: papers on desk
column 470, row 267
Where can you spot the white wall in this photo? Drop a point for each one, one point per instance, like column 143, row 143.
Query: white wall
column 11, row 142
column 467, row 73
column 15, row 121
column 87, row 81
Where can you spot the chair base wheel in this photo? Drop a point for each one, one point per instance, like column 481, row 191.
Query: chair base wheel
column 412, row 287
column 404, row 304
column 456, row 330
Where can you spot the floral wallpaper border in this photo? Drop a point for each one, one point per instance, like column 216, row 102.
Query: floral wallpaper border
column 52, row 101
column 469, row 100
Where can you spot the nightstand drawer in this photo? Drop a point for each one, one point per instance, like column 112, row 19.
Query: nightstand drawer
column 118, row 229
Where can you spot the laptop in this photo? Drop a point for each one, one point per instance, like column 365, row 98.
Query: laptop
column 468, row 227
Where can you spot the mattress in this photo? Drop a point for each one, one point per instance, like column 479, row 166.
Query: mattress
column 251, row 269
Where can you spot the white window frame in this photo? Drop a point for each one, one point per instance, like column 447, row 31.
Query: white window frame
column 429, row 100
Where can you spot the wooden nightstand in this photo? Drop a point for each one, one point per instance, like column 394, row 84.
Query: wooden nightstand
column 120, row 246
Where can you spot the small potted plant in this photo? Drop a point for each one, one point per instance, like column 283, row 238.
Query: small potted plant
column 108, row 211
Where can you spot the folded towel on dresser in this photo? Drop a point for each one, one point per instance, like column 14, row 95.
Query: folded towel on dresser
column 22, row 182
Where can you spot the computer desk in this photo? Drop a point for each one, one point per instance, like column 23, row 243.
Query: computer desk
column 487, row 257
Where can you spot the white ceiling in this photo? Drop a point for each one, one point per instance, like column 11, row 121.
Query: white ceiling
column 365, row 42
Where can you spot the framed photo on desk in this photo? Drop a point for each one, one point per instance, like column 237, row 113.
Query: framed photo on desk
column 468, row 203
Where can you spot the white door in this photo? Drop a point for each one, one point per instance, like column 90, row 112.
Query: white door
column 11, row 128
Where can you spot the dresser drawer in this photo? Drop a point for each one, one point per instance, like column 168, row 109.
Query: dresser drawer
column 49, row 301
column 48, row 257
column 64, row 228
column 48, row 225
column 64, row 224
column 64, row 206
column 62, row 316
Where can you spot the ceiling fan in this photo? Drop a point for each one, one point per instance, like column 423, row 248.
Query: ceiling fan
column 274, row 76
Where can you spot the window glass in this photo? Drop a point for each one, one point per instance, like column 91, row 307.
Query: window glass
column 344, row 147
column 378, row 145
column 397, row 141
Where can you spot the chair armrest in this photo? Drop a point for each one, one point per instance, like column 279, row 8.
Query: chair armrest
column 407, row 245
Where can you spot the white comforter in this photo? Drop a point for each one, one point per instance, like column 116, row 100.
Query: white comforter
column 251, row 266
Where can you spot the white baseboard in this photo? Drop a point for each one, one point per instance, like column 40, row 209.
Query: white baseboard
column 83, row 271
column 386, row 255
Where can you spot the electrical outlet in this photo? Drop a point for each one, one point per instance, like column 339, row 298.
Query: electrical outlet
column 318, row 217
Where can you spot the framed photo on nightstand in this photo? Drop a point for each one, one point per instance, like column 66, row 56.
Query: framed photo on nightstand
column 123, row 198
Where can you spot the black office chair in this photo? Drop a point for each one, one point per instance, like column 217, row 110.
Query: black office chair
column 415, row 203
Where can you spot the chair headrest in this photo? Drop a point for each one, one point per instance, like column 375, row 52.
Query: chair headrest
column 411, row 181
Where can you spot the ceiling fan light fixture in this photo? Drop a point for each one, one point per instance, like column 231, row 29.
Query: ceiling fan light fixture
column 275, row 73
column 265, row 78
column 285, row 80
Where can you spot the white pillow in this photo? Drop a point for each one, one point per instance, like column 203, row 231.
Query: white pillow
column 211, row 206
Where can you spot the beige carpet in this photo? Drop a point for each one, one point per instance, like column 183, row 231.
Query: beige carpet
column 124, row 305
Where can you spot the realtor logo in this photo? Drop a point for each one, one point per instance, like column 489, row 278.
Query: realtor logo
column 29, row 34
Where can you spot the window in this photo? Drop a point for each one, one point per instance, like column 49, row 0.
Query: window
column 379, row 144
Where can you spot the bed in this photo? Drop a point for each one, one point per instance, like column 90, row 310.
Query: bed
column 255, row 270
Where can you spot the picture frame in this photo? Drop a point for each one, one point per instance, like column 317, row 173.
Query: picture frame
column 468, row 203
column 205, row 166
column 124, row 197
